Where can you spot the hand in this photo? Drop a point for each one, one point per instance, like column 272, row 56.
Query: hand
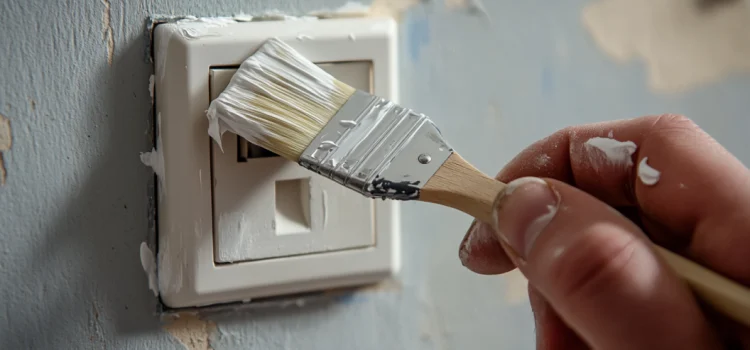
column 573, row 221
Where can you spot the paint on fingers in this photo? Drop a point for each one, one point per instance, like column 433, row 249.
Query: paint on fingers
column 603, row 151
column 648, row 175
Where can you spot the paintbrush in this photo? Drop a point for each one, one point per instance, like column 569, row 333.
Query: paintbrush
column 286, row 104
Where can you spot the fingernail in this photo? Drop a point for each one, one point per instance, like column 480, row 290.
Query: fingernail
column 478, row 234
column 464, row 249
column 523, row 211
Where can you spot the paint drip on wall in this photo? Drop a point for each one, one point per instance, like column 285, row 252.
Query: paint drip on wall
column 684, row 44
column 6, row 141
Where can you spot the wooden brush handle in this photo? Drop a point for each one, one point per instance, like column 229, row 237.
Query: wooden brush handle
column 726, row 296
column 457, row 184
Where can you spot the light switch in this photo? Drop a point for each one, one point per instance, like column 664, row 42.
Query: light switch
column 269, row 207
column 245, row 223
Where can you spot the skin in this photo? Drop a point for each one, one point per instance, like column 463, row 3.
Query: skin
column 578, row 227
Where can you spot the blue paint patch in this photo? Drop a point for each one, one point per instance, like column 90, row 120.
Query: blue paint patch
column 418, row 34
column 547, row 82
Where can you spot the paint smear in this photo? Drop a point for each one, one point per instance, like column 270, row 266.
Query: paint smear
column 148, row 261
column 325, row 209
column 682, row 43
column 615, row 152
column 191, row 331
column 155, row 159
column 648, row 175
column 6, row 141
column 543, row 161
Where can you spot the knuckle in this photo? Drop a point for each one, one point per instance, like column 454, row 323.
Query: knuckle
column 669, row 122
column 600, row 264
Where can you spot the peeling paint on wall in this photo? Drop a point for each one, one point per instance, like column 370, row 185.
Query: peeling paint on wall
column 108, row 32
column 191, row 331
column 6, row 141
column 682, row 43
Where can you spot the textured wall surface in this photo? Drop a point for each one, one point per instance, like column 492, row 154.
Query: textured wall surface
column 74, row 207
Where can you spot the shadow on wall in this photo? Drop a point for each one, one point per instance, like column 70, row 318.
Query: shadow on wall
column 98, row 228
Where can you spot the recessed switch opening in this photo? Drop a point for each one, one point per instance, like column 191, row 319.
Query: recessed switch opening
column 292, row 206
column 247, row 150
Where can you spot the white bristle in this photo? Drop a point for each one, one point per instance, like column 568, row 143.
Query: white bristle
column 277, row 100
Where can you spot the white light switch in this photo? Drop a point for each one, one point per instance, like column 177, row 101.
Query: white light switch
column 269, row 207
column 245, row 223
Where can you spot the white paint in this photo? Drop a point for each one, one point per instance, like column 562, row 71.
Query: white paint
column 537, row 226
column 325, row 208
column 155, row 158
column 543, row 161
column 611, row 134
column 350, row 9
column 682, row 45
column 303, row 37
column 148, row 262
column 614, row 152
column 195, row 28
column 170, row 275
column 648, row 175
column 348, row 123
column 326, row 145
column 238, row 231
column 242, row 17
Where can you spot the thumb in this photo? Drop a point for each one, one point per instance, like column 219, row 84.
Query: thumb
column 597, row 269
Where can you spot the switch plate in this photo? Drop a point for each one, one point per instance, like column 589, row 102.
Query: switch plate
column 359, row 243
column 269, row 207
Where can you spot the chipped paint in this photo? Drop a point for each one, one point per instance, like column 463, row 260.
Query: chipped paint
column 6, row 141
column 682, row 44
column 108, row 34
column 191, row 331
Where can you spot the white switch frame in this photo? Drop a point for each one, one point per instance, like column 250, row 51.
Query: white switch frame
column 184, row 53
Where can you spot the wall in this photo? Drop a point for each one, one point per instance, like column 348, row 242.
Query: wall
column 73, row 210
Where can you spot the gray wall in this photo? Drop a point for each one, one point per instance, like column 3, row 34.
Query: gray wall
column 74, row 208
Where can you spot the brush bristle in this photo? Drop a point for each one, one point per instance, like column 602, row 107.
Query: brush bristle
column 277, row 100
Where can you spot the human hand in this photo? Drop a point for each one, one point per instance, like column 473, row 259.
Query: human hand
column 594, row 279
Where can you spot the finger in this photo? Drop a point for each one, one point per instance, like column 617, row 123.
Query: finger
column 700, row 204
column 481, row 252
column 597, row 269
column 551, row 332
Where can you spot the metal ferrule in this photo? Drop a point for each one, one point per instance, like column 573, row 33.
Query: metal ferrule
column 377, row 148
